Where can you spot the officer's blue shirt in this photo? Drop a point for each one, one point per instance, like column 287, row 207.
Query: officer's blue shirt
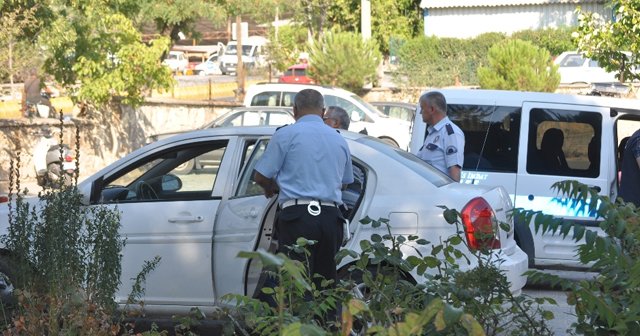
column 309, row 160
column 444, row 146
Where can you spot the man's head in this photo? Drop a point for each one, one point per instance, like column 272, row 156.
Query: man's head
column 433, row 107
column 308, row 101
column 336, row 117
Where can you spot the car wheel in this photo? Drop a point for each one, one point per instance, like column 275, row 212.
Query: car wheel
column 185, row 168
column 389, row 141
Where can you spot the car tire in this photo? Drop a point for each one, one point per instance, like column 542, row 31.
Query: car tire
column 185, row 168
column 389, row 141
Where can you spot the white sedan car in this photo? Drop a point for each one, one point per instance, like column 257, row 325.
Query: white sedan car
column 199, row 221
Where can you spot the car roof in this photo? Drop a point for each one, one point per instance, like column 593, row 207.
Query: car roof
column 516, row 98
column 388, row 103
column 298, row 66
column 296, row 87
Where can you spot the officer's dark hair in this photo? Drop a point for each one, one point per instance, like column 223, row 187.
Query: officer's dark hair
column 339, row 114
column 435, row 99
column 309, row 99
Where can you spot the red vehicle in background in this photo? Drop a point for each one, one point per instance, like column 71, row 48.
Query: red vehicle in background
column 296, row 73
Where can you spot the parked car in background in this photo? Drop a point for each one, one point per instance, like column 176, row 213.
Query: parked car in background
column 398, row 110
column 177, row 61
column 252, row 54
column 364, row 117
column 243, row 116
column 198, row 222
column 296, row 73
column 575, row 68
column 209, row 67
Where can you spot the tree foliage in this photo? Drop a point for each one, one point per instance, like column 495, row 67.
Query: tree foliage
column 285, row 50
column 519, row 65
column 556, row 40
column 95, row 44
column 174, row 17
column 604, row 40
column 401, row 19
column 343, row 59
column 20, row 54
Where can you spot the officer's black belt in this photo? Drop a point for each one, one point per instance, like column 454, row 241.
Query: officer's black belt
column 306, row 202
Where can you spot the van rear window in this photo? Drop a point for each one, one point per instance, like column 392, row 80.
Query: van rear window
column 491, row 136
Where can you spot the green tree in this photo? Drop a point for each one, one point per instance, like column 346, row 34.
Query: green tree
column 343, row 59
column 604, row 40
column 94, row 48
column 21, row 54
column 178, row 16
column 556, row 40
column 400, row 19
column 285, row 50
column 519, row 65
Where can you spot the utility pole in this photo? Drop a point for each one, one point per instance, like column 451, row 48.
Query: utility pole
column 365, row 19
column 240, row 66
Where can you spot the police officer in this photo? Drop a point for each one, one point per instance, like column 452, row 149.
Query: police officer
column 444, row 145
column 307, row 164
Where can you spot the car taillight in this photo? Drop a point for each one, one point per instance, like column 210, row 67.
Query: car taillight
column 4, row 199
column 68, row 158
column 480, row 225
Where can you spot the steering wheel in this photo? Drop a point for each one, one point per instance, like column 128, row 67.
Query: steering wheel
column 145, row 192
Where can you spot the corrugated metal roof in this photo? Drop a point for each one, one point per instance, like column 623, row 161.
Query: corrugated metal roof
column 496, row 3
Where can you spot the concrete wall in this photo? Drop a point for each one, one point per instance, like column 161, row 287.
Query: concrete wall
column 102, row 138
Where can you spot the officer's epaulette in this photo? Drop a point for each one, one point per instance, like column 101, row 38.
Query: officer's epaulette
column 281, row 127
column 449, row 129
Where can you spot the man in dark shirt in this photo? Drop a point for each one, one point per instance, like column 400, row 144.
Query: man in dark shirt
column 630, row 180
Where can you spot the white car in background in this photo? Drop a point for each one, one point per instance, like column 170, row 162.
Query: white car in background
column 575, row 68
column 177, row 61
column 365, row 118
column 209, row 67
column 199, row 221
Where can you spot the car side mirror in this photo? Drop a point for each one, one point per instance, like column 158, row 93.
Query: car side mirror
column 171, row 182
column 355, row 116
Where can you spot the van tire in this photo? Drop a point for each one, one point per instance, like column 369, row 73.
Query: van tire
column 524, row 240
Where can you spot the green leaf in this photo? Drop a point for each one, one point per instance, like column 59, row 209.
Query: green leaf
column 376, row 238
column 455, row 240
column 451, row 216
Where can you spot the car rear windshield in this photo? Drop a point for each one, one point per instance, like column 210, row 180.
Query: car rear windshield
column 411, row 161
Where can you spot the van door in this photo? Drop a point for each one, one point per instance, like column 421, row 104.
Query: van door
column 560, row 142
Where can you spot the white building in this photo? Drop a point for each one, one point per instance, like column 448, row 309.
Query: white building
column 469, row 18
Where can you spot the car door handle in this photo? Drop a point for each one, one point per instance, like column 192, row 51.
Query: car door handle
column 186, row 219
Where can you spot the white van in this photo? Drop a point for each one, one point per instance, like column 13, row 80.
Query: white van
column 364, row 117
column 527, row 141
column 252, row 54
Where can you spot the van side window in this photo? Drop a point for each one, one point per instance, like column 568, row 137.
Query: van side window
column 270, row 98
column 564, row 143
column 491, row 136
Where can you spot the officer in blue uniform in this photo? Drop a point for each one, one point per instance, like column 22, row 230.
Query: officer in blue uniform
column 444, row 145
column 307, row 164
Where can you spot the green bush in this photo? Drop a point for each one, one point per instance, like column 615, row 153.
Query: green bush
column 284, row 51
column 379, row 296
column 609, row 304
column 519, row 65
column 555, row 40
column 343, row 59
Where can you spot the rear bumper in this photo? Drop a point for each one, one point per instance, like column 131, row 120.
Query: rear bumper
column 513, row 266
